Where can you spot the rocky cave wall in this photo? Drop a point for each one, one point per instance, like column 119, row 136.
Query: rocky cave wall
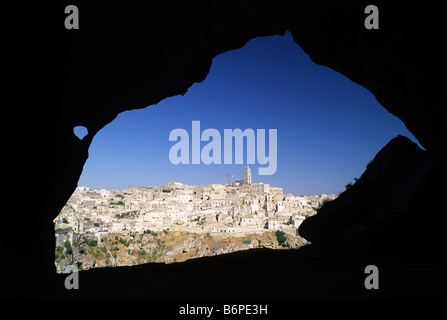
column 129, row 55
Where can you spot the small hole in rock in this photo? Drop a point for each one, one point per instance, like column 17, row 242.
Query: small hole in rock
column 80, row 132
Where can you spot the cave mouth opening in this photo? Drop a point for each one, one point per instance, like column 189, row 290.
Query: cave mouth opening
column 328, row 129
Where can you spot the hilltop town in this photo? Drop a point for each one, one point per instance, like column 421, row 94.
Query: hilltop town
column 176, row 222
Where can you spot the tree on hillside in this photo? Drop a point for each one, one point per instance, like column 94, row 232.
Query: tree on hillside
column 280, row 236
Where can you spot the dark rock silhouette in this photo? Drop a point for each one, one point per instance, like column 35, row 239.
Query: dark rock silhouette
column 128, row 55
column 384, row 195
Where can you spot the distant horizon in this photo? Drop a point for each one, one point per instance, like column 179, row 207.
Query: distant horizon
column 193, row 185
column 200, row 184
column 328, row 127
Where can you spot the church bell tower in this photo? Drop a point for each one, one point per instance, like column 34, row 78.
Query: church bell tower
column 247, row 175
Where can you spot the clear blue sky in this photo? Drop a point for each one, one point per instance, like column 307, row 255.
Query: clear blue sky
column 329, row 128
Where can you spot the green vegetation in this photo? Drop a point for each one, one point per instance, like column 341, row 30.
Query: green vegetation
column 119, row 203
column 90, row 242
column 200, row 221
column 60, row 252
column 281, row 237
column 150, row 232
column 166, row 190
column 64, row 220
column 96, row 253
column 160, row 245
column 149, row 247
column 127, row 215
column 68, row 248
column 124, row 242
column 142, row 253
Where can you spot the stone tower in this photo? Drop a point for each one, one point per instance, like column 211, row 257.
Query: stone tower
column 79, row 226
column 247, row 175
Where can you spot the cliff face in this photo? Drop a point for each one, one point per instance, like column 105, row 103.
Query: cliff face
column 128, row 249
column 382, row 195
column 132, row 55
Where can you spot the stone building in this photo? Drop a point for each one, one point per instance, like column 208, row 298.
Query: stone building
column 272, row 223
column 247, row 175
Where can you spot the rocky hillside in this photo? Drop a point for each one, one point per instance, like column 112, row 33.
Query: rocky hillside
column 118, row 249
column 384, row 205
